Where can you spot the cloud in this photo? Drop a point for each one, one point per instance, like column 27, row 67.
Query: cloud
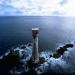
column 62, row 2
column 38, row 7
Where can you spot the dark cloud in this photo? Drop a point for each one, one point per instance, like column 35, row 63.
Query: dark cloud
column 62, row 2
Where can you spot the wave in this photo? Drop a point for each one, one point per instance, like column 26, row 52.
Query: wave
column 64, row 64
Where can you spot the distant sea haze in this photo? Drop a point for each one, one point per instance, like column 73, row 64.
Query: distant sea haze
column 16, row 30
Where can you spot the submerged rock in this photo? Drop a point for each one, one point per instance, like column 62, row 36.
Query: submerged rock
column 61, row 50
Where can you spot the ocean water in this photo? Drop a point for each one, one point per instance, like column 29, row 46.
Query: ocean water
column 53, row 31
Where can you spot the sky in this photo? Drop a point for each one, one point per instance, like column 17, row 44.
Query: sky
column 37, row 7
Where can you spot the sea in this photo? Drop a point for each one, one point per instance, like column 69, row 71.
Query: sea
column 53, row 31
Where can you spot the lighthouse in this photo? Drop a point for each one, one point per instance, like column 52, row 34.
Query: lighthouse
column 35, row 54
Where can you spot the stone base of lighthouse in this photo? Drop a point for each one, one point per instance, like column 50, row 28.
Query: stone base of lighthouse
column 32, row 64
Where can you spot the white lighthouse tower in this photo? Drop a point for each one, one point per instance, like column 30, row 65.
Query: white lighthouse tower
column 35, row 54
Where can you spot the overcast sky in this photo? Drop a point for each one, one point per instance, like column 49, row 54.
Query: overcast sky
column 37, row 7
